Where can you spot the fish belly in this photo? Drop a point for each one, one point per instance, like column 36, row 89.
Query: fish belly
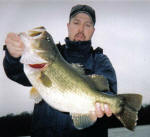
column 65, row 101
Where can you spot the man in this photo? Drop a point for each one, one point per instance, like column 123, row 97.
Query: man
column 48, row 122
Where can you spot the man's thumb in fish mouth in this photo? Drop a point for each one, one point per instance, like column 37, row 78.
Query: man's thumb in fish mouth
column 12, row 36
column 14, row 44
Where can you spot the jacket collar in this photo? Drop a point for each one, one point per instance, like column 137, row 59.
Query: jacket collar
column 80, row 53
column 78, row 48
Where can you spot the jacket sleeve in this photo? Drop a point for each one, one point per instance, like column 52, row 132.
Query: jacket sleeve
column 104, row 67
column 14, row 69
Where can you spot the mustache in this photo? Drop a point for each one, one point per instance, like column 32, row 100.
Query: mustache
column 80, row 33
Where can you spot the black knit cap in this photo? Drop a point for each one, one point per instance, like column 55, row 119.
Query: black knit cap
column 83, row 9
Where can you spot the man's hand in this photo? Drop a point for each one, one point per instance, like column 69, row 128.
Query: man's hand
column 14, row 45
column 102, row 109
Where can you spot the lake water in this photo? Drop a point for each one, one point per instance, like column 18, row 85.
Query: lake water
column 140, row 131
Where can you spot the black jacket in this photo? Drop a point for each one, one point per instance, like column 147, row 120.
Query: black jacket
column 48, row 122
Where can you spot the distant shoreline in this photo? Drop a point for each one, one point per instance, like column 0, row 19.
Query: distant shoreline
column 20, row 125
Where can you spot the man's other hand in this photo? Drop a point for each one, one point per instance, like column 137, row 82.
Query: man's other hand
column 101, row 109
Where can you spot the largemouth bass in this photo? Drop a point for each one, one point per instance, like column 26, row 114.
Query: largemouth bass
column 66, row 88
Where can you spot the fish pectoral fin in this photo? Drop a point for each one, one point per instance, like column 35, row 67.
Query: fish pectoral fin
column 45, row 80
column 100, row 81
column 82, row 121
column 35, row 95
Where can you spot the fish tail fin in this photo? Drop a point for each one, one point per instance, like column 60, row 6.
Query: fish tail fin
column 129, row 114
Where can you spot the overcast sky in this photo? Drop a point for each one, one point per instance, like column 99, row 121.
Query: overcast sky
column 122, row 30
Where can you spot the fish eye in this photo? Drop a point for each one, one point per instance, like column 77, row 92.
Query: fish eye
column 48, row 38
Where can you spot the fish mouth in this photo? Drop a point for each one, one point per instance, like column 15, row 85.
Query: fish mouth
column 37, row 32
column 30, row 55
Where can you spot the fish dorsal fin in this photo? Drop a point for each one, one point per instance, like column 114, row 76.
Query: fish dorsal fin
column 82, row 121
column 35, row 95
column 78, row 67
column 45, row 80
column 101, row 83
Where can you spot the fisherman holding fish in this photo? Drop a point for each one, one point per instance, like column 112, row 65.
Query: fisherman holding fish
column 68, row 111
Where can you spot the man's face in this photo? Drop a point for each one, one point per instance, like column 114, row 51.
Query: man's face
column 80, row 28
